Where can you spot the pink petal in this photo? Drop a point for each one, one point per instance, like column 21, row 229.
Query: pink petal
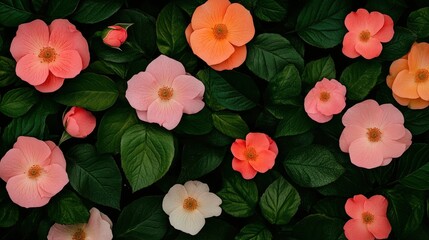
column 370, row 49
column 259, row 141
column 72, row 127
column 393, row 131
column 247, row 171
column 57, row 156
column 374, row 22
column 142, row 90
column 12, row 164
column 235, row 60
column 29, row 39
column 319, row 117
column 405, row 85
column 380, row 228
column 239, row 22
column 34, row 150
column 238, row 148
column 52, row 180
column 174, row 198
column 188, row 222
column 366, row 154
column 23, row 191
column 365, row 114
column 376, row 205
column 355, row 206
column 392, row 149
column 334, row 105
column 264, row 162
column 406, row 139
column 30, row 69
column 349, row 45
column 356, row 21
column 311, row 100
column 350, row 134
column 67, row 64
column 79, row 122
column 355, row 229
column 196, row 188
column 59, row 232
column 51, row 84
column 165, row 113
column 386, row 161
column 386, row 32
column 165, row 70
column 189, row 92
column 391, row 114
column 208, row 204
column 97, row 227
column 423, row 90
column 142, row 115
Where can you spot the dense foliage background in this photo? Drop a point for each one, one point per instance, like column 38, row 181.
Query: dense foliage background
column 126, row 166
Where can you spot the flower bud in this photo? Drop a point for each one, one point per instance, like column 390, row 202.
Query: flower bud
column 79, row 122
column 115, row 35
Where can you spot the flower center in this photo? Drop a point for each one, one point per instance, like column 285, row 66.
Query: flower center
column 35, row 171
column 250, row 154
column 374, row 134
column 220, row 31
column 190, row 204
column 47, row 55
column 165, row 93
column 421, row 75
column 364, row 36
column 367, row 218
column 79, row 234
column 324, row 96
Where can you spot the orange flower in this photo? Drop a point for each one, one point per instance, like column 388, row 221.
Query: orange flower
column 409, row 77
column 218, row 33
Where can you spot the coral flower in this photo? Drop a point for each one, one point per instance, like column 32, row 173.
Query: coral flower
column 46, row 55
column 79, row 122
column 255, row 154
column 34, row 171
column 99, row 227
column 409, row 77
column 115, row 35
column 366, row 33
column 189, row 205
column 219, row 32
column 328, row 97
column 374, row 134
column 164, row 92
column 369, row 220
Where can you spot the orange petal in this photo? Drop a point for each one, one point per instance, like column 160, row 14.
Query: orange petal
column 419, row 56
column 370, row 49
column 209, row 14
column 349, row 43
column 418, row 103
column 188, row 32
column 405, row 85
column 402, row 101
column 374, row 22
column 423, row 90
column 239, row 23
column 397, row 66
column 210, row 49
column 235, row 60
column 386, row 32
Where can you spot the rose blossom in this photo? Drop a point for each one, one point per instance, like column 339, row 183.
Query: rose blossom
column 115, row 35
column 79, row 122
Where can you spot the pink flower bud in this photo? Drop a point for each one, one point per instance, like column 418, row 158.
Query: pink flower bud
column 114, row 36
column 79, row 122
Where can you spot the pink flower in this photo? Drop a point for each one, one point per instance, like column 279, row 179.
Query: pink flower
column 366, row 33
column 164, row 92
column 328, row 97
column 79, row 122
column 98, row 227
column 114, row 36
column 369, row 220
column 34, row 171
column 46, row 55
column 374, row 134
column 255, row 154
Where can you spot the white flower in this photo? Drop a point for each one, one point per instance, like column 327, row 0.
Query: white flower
column 188, row 205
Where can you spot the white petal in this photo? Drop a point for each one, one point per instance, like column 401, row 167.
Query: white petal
column 208, row 205
column 186, row 221
column 174, row 198
column 196, row 188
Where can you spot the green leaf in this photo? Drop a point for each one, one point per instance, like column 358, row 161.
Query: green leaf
column 318, row 225
column 416, row 120
column 269, row 53
column 312, row 166
column 295, row 121
column 321, row 22
column 270, row 10
column 112, row 126
column 18, row 101
column 318, row 69
column 393, row 8
column 418, row 21
column 239, row 196
column 232, row 90
column 170, row 30
column 285, row 85
column 189, row 6
column 399, row 45
column 9, row 214
column 88, row 90
column 359, row 79
column 230, row 124
column 196, row 124
column 332, row 207
column 7, row 70
column 214, row 229
column 280, row 202
column 199, row 159
column 147, row 152
column 142, row 219
column 109, row 68
column 95, row 177
column 67, row 208
column 419, row 179
column 61, row 8
column 14, row 12
column 94, row 11
column 254, row 231
column 413, row 167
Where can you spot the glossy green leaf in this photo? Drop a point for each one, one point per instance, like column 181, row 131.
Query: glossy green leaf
column 270, row 10
column 418, row 21
column 359, row 79
column 399, row 45
column 94, row 11
column 392, row 8
column 413, row 167
column 416, row 120
column 14, row 12
column 318, row 69
column 9, row 214
column 18, row 101
column 254, row 231
column 294, row 121
column 60, row 8
column 318, row 225
column 147, row 152
column 109, row 68
column 285, row 85
column 196, row 124
column 170, row 30
column 230, row 124
column 7, row 71
column 67, row 208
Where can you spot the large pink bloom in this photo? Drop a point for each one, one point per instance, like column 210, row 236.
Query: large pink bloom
column 328, row 97
column 46, row 55
column 369, row 220
column 99, row 227
column 163, row 92
column 366, row 33
column 255, row 154
column 374, row 134
column 34, row 171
